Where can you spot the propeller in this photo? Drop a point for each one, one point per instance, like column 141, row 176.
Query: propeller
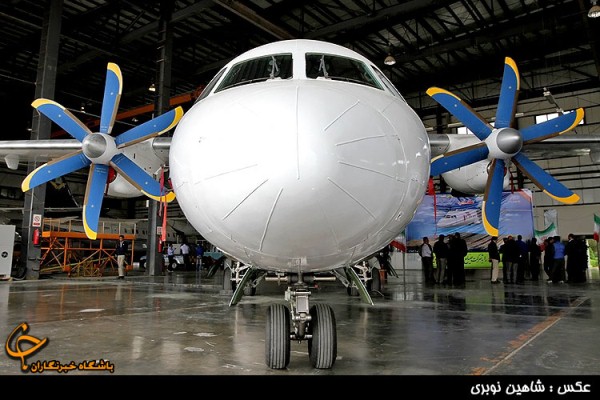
column 503, row 144
column 100, row 151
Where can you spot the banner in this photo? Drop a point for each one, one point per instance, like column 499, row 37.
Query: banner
column 596, row 228
column 463, row 215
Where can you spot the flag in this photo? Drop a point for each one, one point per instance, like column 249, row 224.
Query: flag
column 550, row 217
column 542, row 235
column 400, row 242
column 431, row 192
column 596, row 227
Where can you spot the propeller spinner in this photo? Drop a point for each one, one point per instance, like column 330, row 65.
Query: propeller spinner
column 100, row 150
column 502, row 144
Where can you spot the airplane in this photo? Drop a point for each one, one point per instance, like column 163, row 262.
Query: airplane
column 299, row 160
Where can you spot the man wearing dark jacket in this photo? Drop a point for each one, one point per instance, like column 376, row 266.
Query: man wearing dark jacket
column 440, row 249
column 510, row 258
column 456, row 260
column 523, row 260
column 120, row 251
column 576, row 252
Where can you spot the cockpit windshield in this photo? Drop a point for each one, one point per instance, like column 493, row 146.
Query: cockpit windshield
column 280, row 66
column 276, row 66
column 326, row 66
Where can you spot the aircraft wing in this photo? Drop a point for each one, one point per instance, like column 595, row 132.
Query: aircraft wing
column 567, row 145
column 15, row 151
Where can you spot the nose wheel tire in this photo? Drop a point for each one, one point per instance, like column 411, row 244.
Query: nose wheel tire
column 277, row 345
column 322, row 347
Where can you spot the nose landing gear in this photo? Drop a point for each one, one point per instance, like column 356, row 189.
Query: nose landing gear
column 299, row 322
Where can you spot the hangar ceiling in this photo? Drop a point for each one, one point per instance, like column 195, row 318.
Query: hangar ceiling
column 435, row 42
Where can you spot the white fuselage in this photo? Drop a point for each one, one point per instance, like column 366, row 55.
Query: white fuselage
column 300, row 174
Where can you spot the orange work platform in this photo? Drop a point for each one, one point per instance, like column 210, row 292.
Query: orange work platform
column 65, row 248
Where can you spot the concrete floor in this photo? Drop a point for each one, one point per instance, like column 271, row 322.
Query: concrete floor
column 181, row 324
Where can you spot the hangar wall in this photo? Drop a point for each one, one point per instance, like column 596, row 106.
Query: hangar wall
column 577, row 219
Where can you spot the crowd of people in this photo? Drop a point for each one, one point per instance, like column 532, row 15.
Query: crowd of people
column 449, row 257
column 561, row 261
column 192, row 256
column 565, row 262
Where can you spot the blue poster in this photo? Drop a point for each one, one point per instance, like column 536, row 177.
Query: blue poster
column 447, row 215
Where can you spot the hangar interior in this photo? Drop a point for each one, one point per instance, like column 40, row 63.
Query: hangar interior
column 456, row 45
column 183, row 324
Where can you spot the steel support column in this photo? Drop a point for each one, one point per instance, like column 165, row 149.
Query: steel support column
column 33, row 208
column 163, row 91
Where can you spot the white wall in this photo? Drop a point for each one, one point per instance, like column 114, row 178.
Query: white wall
column 401, row 260
column 577, row 219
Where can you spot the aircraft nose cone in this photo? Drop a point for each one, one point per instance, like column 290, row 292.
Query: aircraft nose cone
column 337, row 163
column 94, row 146
column 509, row 141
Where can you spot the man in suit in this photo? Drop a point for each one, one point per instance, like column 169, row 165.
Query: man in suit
column 120, row 251
column 456, row 259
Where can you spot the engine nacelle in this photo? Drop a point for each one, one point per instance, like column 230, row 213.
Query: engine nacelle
column 147, row 159
column 470, row 179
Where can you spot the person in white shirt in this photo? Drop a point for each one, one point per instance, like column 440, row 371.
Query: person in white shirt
column 426, row 253
column 185, row 252
column 170, row 257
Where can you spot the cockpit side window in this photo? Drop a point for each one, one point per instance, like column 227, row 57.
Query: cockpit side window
column 210, row 85
column 389, row 85
column 326, row 66
column 276, row 66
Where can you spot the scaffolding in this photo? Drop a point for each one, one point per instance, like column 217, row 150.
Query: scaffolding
column 65, row 248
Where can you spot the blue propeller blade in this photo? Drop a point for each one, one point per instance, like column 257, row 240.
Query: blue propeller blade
column 94, row 193
column 98, row 175
column 62, row 117
column 112, row 96
column 551, row 128
column 55, row 168
column 545, row 181
column 504, row 119
column 507, row 104
column 492, row 199
column 140, row 178
column 465, row 114
column 458, row 158
column 149, row 129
